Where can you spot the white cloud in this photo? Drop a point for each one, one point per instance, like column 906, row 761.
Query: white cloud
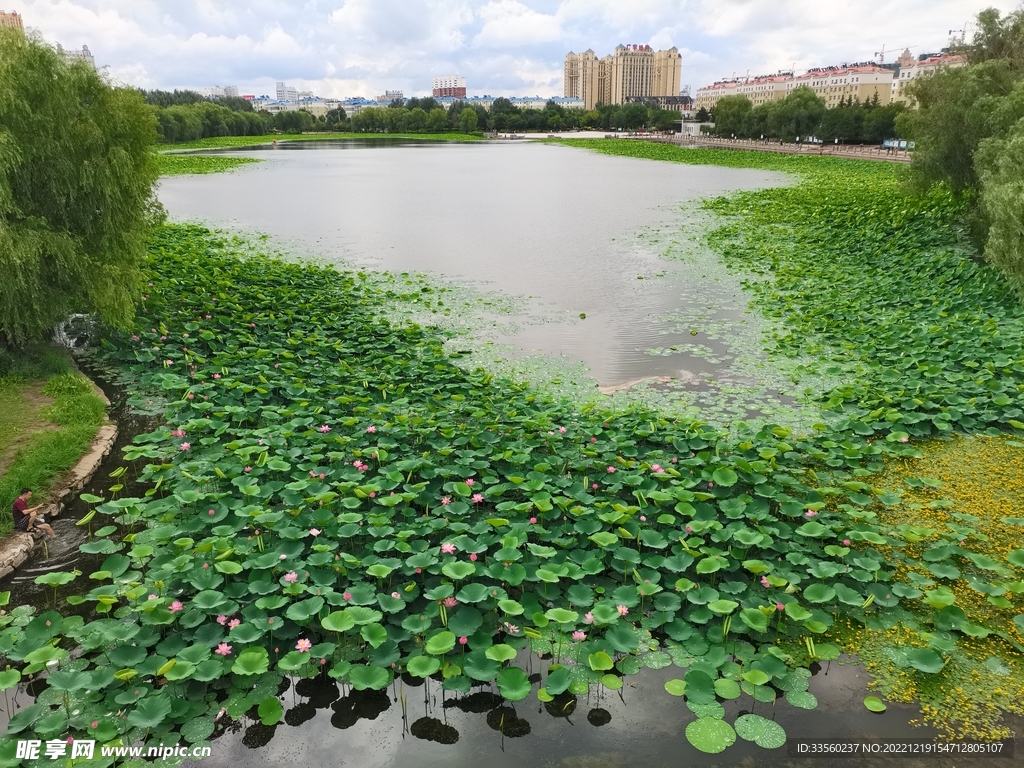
column 509, row 23
column 502, row 47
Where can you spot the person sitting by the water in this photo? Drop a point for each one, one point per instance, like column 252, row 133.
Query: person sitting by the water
column 27, row 518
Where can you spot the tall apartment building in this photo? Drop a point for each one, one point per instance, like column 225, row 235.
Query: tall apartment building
column 449, row 85
column 632, row 72
column 12, row 20
column 911, row 68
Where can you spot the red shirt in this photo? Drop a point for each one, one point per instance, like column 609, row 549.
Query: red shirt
column 18, row 510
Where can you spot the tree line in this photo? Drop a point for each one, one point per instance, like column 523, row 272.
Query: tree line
column 804, row 114
column 188, row 115
column 969, row 133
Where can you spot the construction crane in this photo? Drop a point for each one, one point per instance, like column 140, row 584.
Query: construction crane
column 881, row 54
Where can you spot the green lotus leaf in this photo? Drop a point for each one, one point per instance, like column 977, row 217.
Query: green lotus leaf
column 368, row 678
column 441, row 643
column 600, row 661
column 374, row 634
column 925, row 660
column 500, row 653
column 874, row 704
column 423, row 666
column 675, row 686
column 513, row 684
column 710, row 735
column 766, row 733
column 251, row 661
column 338, row 621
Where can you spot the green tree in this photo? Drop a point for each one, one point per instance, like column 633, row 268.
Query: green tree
column 467, row 120
column 702, row 115
column 1000, row 162
column 76, row 191
column 437, row 121
column 799, row 114
column 730, row 113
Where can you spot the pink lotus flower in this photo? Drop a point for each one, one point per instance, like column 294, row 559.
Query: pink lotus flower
column 904, row 439
column 314, row 531
column 846, row 542
column 152, row 597
column 588, row 617
column 810, row 513
column 675, row 460
column 445, row 501
column 206, row 566
column 347, row 596
column 216, row 375
column 450, row 602
column 611, row 469
column 477, row 498
column 324, row 428
column 656, row 467
column 448, row 548
column 95, row 723
column 594, row 486
column 764, row 581
column 688, row 529
column 396, row 596
column 291, row 577
column 282, row 557
column 191, row 396
column 184, row 446
column 371, row 429
column 593, row 439
column 780, row 607
column 233, row 623
column 209, row 317
column 470, row 482
column 134, row 337
column 419, row 570
column 623, row 610
column 533, row 521
column 211, row 513
column 562, row 430
column 511, row 628
column 222, row 619
column 643, row 518
column 303, row 645
column 178, row 433
column 463, row 640
column 247, row 470
column 176, row 606
column 473, row 557
column 711, row 485
column 579, row 635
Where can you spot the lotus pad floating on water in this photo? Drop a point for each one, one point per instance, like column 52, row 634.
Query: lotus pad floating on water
column 760, row 730
column 711, row 735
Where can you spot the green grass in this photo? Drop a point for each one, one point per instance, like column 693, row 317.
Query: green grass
column 49, row 439
column 226, row 142
column 184, row 165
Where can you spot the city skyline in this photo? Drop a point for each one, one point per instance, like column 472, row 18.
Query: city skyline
column 502, row 47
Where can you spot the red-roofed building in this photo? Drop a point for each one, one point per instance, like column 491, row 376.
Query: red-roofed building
column 922, row 66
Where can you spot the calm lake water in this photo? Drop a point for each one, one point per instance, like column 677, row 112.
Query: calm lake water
column 571, row 229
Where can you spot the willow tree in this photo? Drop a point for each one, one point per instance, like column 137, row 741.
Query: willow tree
column 77, row 171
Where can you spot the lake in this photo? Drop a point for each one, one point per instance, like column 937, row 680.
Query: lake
column 564, row 231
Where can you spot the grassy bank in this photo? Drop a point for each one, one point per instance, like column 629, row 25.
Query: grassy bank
column 49, row 415
column 226, row 142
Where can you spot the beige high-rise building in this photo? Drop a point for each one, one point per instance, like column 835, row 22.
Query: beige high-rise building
column 632, row 72
column 11, row 20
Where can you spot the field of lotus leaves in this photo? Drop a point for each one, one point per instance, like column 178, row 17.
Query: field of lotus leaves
column 331, row 494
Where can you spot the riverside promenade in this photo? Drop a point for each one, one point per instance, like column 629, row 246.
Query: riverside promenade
column 854, row 152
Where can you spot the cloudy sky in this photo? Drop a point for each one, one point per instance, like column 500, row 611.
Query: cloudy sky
column 502, row 47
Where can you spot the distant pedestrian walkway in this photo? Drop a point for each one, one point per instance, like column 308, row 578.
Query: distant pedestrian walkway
column 855, row 152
